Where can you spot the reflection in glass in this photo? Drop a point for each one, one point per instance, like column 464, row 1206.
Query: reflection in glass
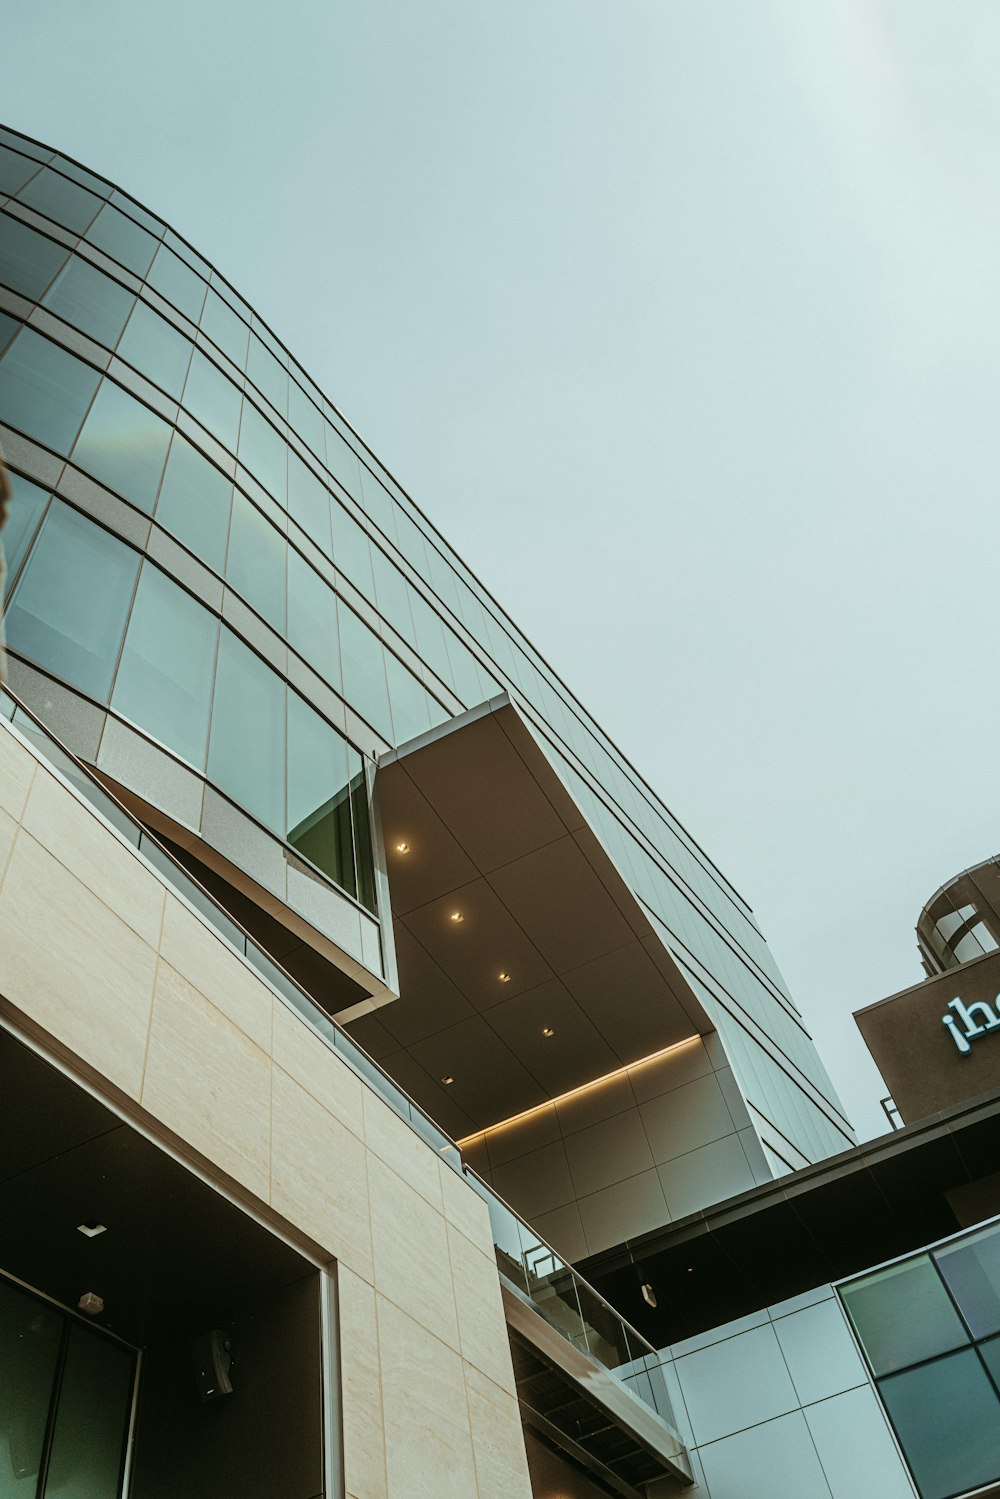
column 319, row 807
column 91, row 301
column 156, row 349
column 903, row 1314
column 44, row 391
column 229, row 332
column 61, row 200
column 351, row 549
column 306, row 420
column 246, row 753
column 308, row 502
column 95, row 1398
column 15, row 170
column 26, row 510
column 256, row 562
column 361, row 656
column 28, row 260
column 268, row 376
column 312, row 619
column 164, row 682
column 391, row 594
column 69, row 609
column 213, row 399
column 947, row 1419
column 263, row 452
column 123, row 240
column 178, row 283
column 971, row 1266
column 362, row 815
column 30, row 1340
column 409, row 700
column 194, row 503
column 123, row 444
column 342, row 461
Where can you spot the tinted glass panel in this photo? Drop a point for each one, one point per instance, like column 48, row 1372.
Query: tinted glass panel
column 246, row 755
column 28, row 260
column 365, row 862
column 156, row 349
column 194, row 503
column 312, row 619
column 947, row 1418
column 15, row 170
column 972, row 1270
column 411, row 713
column 256, row 564
column 124, row 241
column 319, row 806
column 262, row 451
column 308, row 502
column 178, row 283
column 68, row 612
column 364, row 672
column 903, row 1314
column 351, row 549
column 123, row 444
column 306, row 420
column 8, row 327
column 61, row 200
column 95, row 1396
column 391, row 593
column 268, row 375
column 164, row 682
column 30, row 1336
column 26, row 509
column 342, row 462
column 213, row 399
column 225, row 329
column 44, row 391
column 91, row 301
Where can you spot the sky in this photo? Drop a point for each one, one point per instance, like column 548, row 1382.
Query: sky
column 681, row 320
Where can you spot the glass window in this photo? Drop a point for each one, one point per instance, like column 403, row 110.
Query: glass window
column 268, row 376
column 124, row 241
column 246, row 755
column 411, row 714
column 26, row 510
column 306, row 420
column 312, row 619
column 194, row 503
column 178, row 283
column 164, row 682
column 342, row 461
column 391, row 593
column 61, row 200
column 429, row 635
column 972, row 1269
column 361, row 813
column 84, row 296
column 361, row 657
column 308, row 502
column 256, row 563
column 262, row 452
column 123, row 445
column 28, row 260
column 137, row 212
column 15, row 170
column 156, row 349
column 95, row 1399
column 31, row 1338
column 947, row 1418
column 351, row 549
column 69, row 609
column 213, row 400
column 903, row 1314
column 319, row 801
column 229, row 332
column 44, row 391
column 8, row 327
column 377, row 503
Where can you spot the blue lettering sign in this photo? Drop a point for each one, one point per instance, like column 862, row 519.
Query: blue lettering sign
column 977, row 1019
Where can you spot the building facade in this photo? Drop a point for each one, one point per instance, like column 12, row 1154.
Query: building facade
column 311, row 868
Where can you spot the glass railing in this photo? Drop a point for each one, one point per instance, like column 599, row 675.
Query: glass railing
column 530, row 1265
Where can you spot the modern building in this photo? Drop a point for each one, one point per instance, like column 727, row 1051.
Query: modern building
column 360, row 1003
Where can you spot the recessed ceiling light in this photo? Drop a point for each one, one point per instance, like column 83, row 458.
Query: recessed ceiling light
column 457, row 916
column 547, row 1030
column 91, row 1228
column 504, row 977
column 447, row 1080
column 402, row 848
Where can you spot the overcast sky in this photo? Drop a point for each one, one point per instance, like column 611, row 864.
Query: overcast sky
column 681, row 318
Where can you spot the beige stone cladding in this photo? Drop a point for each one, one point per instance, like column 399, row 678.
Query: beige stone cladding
column 111, row 972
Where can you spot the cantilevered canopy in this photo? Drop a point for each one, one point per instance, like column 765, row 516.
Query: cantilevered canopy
column 526, row 965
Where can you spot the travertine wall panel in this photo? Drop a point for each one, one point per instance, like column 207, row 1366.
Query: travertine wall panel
column 101, row 958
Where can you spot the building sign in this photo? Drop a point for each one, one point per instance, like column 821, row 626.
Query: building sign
column 969, row 1022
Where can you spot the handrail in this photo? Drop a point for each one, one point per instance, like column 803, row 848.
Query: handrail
column 526, row 1261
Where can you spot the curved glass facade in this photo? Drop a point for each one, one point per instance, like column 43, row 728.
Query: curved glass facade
column 207, row 550
column 962, row 920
